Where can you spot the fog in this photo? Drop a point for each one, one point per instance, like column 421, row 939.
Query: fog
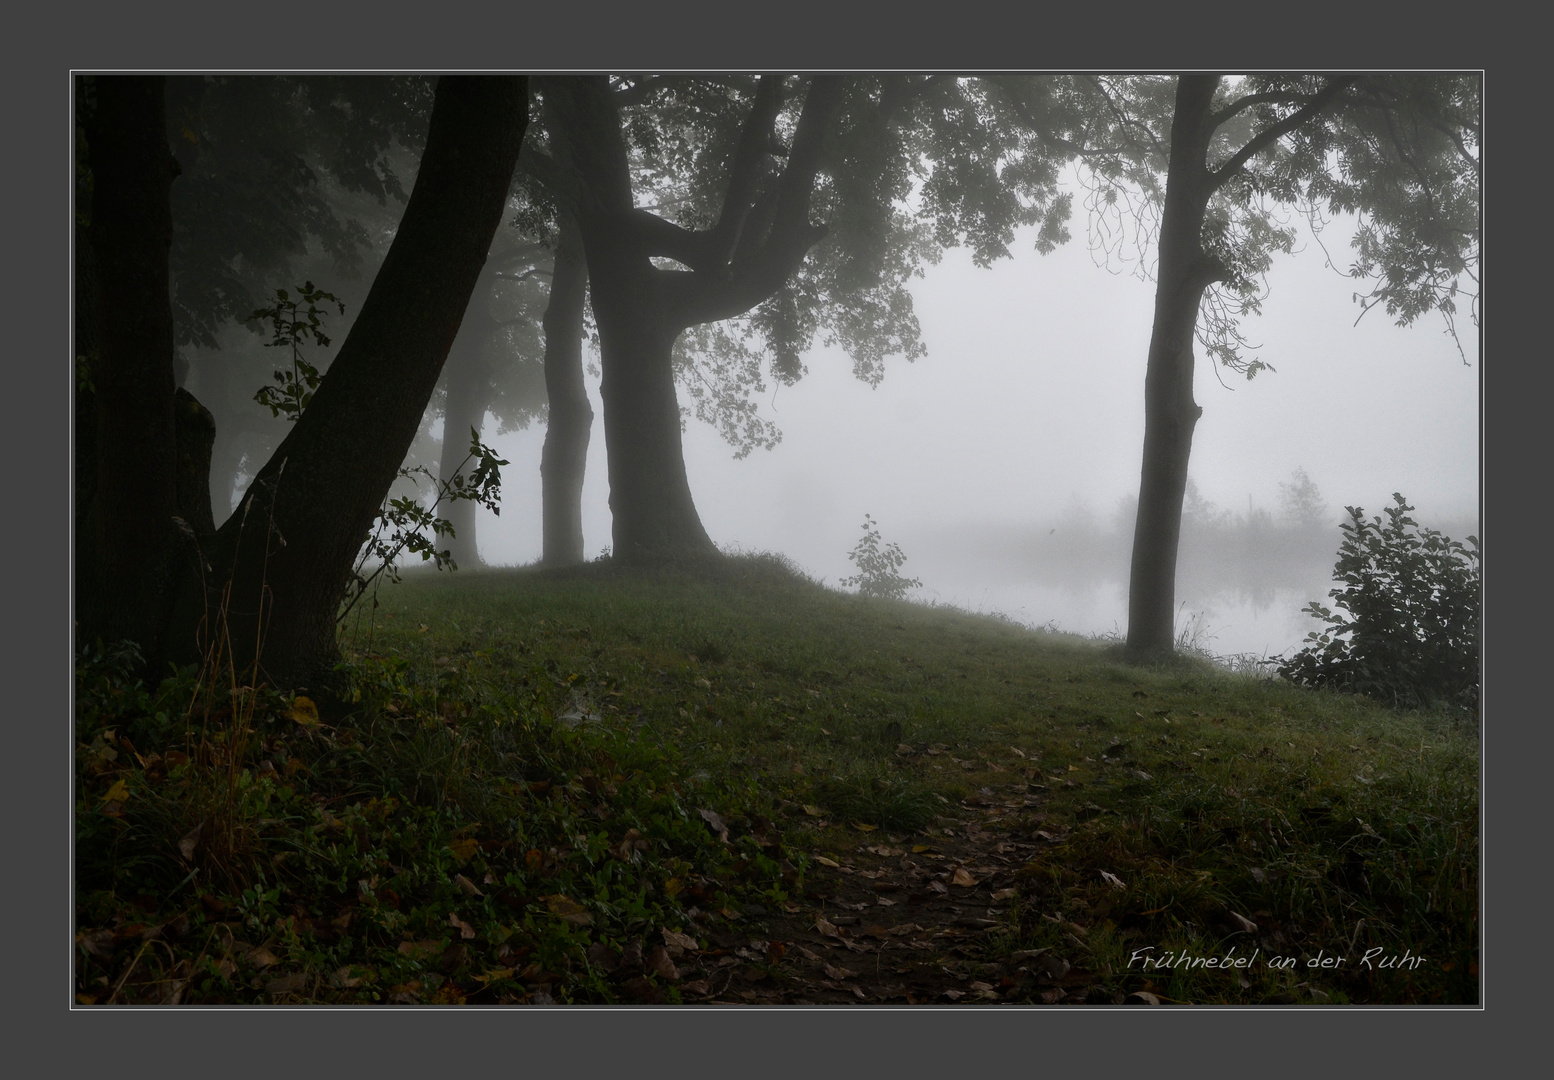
column 1026, row 420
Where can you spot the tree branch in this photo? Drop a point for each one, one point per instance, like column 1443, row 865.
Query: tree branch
column 1313, row 107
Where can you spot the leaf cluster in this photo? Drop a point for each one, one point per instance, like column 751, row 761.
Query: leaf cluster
column 1408, row 626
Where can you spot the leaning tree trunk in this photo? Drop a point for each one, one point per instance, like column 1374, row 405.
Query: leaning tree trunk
column 1170, row 413
column 291, row 547
column 127, row 540
column 569, row 426
column 469, row 395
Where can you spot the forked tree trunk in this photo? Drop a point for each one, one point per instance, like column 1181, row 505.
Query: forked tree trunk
column 641, row 309
column 127, row 541
column 653, row 514
column 1170, row 413
column 569, row 427
column 289, row 550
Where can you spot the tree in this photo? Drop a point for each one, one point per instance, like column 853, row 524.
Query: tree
column 268, row 584
column 745, row 168
column 1200, row 164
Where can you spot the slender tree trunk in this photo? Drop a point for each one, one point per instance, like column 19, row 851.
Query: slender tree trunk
column 569, row 427
column 290, row 548
column 128, row 540
column 469, row 395
column 1170, row 413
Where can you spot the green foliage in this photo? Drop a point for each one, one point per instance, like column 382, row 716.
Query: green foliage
column 879, row 567
column 404, row 525
column 1411, row 632
column 291, row 326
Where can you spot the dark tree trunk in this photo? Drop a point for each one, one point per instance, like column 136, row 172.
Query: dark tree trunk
column 641, row 309
column 570, row 423
column 1170, row 413
column 291, row 546
column 128, row 541
column 653, row 514
column 469, row 395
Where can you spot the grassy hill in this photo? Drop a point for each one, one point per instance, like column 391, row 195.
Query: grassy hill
column 729, row 783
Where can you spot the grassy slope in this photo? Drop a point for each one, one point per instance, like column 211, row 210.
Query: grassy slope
column 1335, row 824
column 508, row 806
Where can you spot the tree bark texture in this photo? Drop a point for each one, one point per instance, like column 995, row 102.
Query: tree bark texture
column 569, row 427
column 1170, row 413
column 469, row 395
column 641, row 309
column 289, row 549
column 127, row 540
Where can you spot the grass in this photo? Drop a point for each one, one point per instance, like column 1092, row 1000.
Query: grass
column 519, row 730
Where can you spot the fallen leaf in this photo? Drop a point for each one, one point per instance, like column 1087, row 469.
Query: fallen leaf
column 420, row 949
column 1006, row 894
column 715, row 822
column 699, row 988
column 676, row 940
column 263, row 958
column 1243, row 923
column 659, row 963
column 464, row 849
column 286, row 984
column 568, row 910
column 303, row 711
column 823, row 861
column 954, row 995
column 119, row 792
column 864, row 828
column 962, row 878
column 466, row 886
column 839, row 972
column 190, row 841
column 494, row 974
column 826, row 927
column 814, row 811
column 466, row 931
column 1143, row 997
column 859, row 994
column 1112, row 879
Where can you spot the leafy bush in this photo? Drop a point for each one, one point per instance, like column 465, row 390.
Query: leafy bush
column 879, row 567
column 1411, row 632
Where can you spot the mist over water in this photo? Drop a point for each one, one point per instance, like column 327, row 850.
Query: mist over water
column 1006, row 462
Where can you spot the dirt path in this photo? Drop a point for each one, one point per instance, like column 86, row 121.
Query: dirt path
column 892, row 921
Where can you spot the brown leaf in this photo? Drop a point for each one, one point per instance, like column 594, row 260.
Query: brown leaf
column 814, row 811
column 466, row 886
column 420, row 949
column 568, row 910
column 263, row 958
column 823, row 861
column 464, row 849
column 1243, row 923
column 659, row 964
column 286, row 984
column 715, row 822
column 962, row 878
column 840, row 973
column 1112, row 879
column 190, row 841
column 676, row 940
column 1142, row 997
column 466, row 931
column 1006, row 894
column 826, row 927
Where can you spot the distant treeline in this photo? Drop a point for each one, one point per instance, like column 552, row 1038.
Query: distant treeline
column 1250, row 555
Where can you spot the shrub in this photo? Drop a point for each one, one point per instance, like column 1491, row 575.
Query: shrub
column 1408, row 630
column 879, row 567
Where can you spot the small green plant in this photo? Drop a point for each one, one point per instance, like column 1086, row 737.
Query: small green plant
column 879, row 567
column 404, row 525
column 290, row 327
column 1408, row 631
